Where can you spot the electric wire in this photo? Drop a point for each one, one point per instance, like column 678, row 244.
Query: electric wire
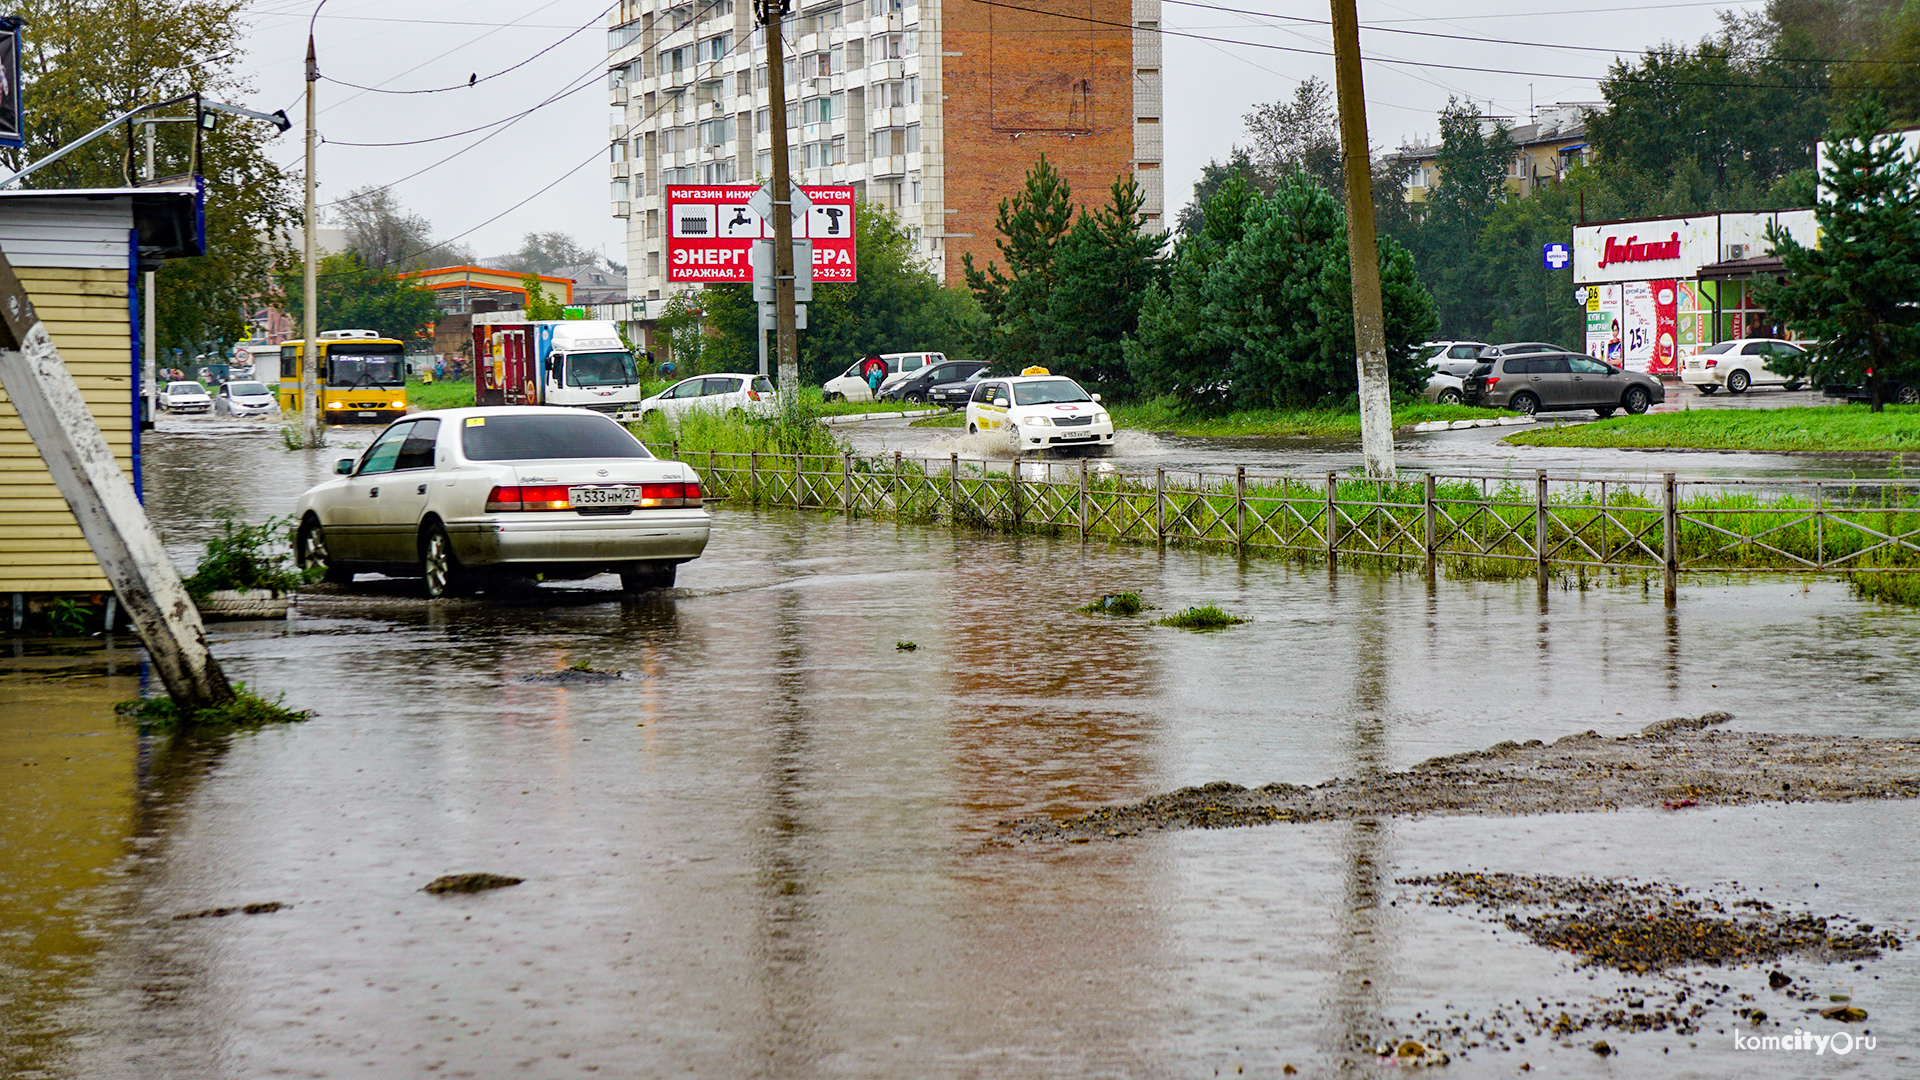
column 478, row 79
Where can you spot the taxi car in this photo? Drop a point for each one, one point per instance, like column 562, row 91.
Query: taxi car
column 1040, row 411
column 462, row 497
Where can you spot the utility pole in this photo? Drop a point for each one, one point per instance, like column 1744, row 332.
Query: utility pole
column 770, row 13
column 309, row 360
column 148, row 365
column 1369, row 323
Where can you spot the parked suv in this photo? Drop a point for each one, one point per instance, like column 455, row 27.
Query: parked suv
column 915, row 387
column 1544, row 382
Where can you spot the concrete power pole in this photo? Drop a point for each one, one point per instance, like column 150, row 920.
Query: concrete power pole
column 309, row 359
column 1369, row 323
column 788, row 339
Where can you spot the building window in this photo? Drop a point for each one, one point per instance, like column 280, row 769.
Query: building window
column 760, row 122
column 913, row 90
column 717, row 47
column 621, row 191
column 913, row 138
column 912, row 43
column 653, row 264
column 876, row 8
column 886, row 46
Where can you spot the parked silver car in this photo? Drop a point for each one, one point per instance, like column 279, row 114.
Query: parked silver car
column 461, row 497
column 1546, row 382
column 244, row 399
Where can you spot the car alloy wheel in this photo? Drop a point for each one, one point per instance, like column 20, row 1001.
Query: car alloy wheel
column 1635, row 400
column 1525, row 404
column 1907, row 395
column 310, row 550
column 1738, row 381
column 439, row 568
column 1448, row 397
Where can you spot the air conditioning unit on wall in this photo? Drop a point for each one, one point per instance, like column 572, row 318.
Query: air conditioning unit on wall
column 1737, row 251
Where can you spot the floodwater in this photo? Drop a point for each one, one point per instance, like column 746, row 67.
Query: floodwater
column 769, row 848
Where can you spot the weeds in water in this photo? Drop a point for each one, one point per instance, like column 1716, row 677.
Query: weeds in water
column 905, row 646
column 1891, row 588
column 1204, row 617
column 1125, row 603
column 294, row 439
column 246, row 710
column 68, row 617
column 584, row 665
column 245, row 557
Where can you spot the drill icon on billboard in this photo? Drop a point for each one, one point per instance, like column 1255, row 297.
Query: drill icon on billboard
column 834, row 214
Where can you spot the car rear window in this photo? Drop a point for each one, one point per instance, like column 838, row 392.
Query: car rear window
column 1720, row 348
column 546, row 435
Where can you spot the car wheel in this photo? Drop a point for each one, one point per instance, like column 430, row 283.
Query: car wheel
column 641, row 576
column 310, row 549
column 1907, row 395
column 1524, row 403
column 1448, row 396
column 830, row 397
column 972, row 430
column 1603, row 411
column 916, row 398
column 1635, row 400
column 1708, row 389
column 1738, row 381
column 439, row 568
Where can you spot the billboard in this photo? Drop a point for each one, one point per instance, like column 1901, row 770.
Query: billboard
column 711, row 230
column 11, row 131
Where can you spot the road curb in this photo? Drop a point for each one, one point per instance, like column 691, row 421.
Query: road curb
column 1461, row 425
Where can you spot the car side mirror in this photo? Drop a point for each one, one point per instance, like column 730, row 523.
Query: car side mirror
column 1095, row 397
column 999, row 403
column 344, row 466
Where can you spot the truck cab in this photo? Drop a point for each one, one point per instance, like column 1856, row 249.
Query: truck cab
column 576, row 362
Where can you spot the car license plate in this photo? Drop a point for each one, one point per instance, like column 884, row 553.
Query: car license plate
column 603, row 496
column 369, row 416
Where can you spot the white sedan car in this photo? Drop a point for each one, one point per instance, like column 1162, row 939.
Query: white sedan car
column 463, row 496
column 1039, row 411
column 727, row 392
column 184, row 397
column 1739, row 364
column 245, row 399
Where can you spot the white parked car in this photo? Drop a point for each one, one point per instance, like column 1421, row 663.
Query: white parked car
column 1444, row 389
column 245, row 399
column 728, row 392
column 1039, row 411
column 1739, row 364
column 184, row 397
column 850, row 386
column 462, row 497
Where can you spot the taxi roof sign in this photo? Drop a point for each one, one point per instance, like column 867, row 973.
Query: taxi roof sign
column 1035, row 370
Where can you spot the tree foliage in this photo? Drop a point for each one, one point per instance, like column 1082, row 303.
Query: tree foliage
column 545, row 252
column 1300, row 137
column 83, row 64
column 1258, row 310
column 1073, row 285
column 356, row 296
column 540, row 307
column 1858, row 290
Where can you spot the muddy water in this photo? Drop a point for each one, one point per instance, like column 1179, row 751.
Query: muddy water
column 769, row 847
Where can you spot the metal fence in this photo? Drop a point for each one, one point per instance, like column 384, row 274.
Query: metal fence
column 1475, row 525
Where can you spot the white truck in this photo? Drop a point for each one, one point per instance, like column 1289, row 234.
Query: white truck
column 578, row 362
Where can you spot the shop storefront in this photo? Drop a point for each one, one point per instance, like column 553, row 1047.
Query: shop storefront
column 1657, row 289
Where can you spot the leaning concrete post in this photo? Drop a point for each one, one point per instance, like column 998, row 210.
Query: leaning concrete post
column 103, row 502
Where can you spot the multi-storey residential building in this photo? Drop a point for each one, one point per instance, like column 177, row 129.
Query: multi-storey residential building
column 1543, row 151
column 933, row 108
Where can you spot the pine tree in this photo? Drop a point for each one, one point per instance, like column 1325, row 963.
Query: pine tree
column 1857, row 291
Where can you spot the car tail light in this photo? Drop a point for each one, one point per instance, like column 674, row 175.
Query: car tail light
column 753, row 395
column 1713, row 361
column 670, row 493
column 531, row 497
column 1489, row 384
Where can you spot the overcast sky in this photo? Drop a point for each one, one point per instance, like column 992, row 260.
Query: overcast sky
column 546, row 171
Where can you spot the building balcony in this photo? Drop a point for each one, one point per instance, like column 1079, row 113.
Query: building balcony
column 617, row 95
column 622, row 208
column 621, row 170
column 889, row 165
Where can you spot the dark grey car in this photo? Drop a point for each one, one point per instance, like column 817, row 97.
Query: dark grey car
column 1550, row 382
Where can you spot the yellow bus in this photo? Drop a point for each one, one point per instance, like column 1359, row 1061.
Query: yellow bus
column 362, row 377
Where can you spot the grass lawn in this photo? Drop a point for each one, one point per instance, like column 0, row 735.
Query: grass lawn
column 1830, row 427
column 440, row 393
column 1164, row 418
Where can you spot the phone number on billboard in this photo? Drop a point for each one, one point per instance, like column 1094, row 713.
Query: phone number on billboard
column 833, row 273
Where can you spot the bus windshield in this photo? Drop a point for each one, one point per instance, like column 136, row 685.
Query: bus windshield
column 367, row 365
column 600, row 369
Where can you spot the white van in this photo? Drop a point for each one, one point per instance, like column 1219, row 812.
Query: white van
column 849, row 386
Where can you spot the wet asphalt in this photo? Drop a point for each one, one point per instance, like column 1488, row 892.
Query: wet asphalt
column 765, row 840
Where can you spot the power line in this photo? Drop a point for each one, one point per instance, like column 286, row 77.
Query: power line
column 477, row 80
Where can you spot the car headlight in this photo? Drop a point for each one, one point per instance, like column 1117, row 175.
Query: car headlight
column 398, row 404
column 336, row 405
column 1035, row 421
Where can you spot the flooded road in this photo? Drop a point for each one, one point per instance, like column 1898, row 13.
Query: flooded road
column 771, row 847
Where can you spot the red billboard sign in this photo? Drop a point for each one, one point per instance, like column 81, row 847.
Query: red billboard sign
column 711, row 230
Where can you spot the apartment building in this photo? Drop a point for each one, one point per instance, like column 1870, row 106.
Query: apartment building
column 1544, row 151
column 935, row 109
